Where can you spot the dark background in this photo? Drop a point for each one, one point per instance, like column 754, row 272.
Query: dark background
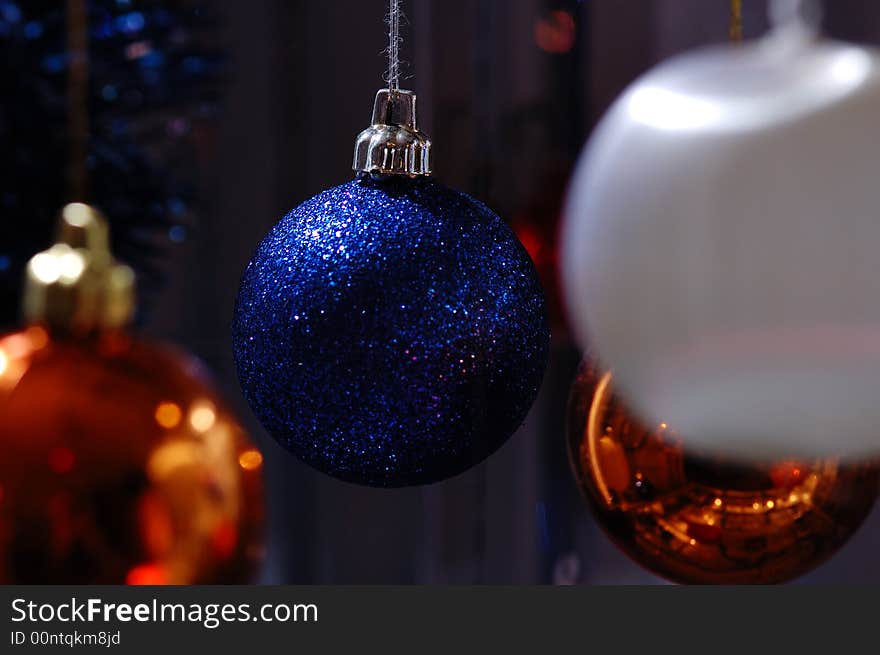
column 509, row 91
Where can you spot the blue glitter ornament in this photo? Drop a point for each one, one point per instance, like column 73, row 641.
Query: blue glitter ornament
column 391, row 331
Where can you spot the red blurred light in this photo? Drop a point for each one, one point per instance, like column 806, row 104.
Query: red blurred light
column 531, row 242
column 147, row 574
column 556, row 34
column 224, row 541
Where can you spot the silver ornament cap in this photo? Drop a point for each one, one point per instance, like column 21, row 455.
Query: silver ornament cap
column 393, row 144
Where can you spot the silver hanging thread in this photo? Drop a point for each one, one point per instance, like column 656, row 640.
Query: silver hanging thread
column 392, row 75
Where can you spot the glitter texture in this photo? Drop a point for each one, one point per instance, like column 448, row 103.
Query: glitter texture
column 391, row 333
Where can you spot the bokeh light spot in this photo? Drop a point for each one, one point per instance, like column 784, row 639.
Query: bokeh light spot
column 556, row 33
column 202, row 416
column 168, row 415
column 147, row 574
column 250, row 460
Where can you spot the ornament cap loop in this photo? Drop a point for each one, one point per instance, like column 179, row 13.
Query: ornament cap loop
column 76, row 286
column 393, row 144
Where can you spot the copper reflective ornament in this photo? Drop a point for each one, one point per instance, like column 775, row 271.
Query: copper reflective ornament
column 120, row 465
column 707, row 521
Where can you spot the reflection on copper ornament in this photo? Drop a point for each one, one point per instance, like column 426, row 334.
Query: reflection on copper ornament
column 707, row 521
column 120, row 464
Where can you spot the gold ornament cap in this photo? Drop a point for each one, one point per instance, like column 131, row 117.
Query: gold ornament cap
column 76, row 286
column 393, row 144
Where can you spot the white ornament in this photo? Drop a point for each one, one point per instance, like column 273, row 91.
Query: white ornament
column 721, row 248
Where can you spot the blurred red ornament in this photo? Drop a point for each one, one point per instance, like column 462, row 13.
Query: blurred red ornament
column 707, row 521
column 120, row 464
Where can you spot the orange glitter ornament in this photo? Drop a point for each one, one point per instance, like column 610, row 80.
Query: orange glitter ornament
column 120, row 463
column 707, row 521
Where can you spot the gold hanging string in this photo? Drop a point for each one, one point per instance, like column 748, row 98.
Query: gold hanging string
column 736, row 21
column 77, row 98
